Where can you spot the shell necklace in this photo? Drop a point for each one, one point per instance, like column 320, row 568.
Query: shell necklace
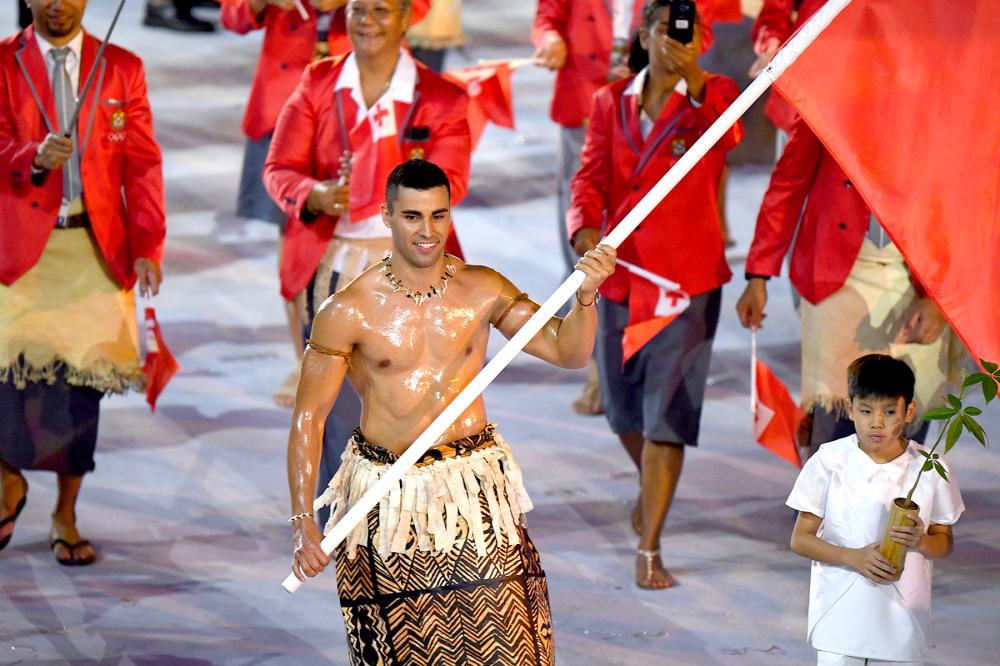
column 418, row 297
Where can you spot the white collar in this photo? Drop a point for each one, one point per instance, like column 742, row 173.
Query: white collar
column 895, row 469
column 635, row 87
column 401, row 86
column 75, row 46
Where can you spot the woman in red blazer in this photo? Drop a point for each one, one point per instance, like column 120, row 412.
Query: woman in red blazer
column 638, row 129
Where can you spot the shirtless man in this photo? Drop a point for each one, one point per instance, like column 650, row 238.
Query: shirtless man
column 410, row 333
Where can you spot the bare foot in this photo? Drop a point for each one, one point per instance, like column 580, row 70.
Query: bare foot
column 284, row 396
column 589, row 403
column 637, row 517
column 67, row 545
column 649, row 571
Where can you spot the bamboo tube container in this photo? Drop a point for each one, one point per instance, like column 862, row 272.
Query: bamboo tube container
column 899, row 516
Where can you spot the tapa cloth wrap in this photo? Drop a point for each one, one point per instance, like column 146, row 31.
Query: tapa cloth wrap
column 67, row 312
column 442, row 571
column 864, row 317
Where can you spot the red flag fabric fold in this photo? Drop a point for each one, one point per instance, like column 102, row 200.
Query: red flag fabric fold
column 654, row 302
column 776, row 416
column 490, row 97
column 159, row 365
column 904, row 96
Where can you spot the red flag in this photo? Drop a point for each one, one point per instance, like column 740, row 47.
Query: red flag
column 160, row 365
column 904, row 96
column 654, row 302
column 775, row 415
column 490, row 97
column 376, row 154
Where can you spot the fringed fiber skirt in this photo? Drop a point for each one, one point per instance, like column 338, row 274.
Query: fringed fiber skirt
column 443, row 571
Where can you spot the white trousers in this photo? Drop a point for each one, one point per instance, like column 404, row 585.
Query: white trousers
column 834, row 659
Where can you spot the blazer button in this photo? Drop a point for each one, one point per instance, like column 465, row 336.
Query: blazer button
column 284, row 65
column 34, row 204
column 591, row 18
column 842, row 225
column 847, row 184
column 17, row 174
column 293, row 27
column 635, row 188
column 593, row 56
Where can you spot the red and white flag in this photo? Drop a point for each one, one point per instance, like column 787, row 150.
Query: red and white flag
column 159, row 364
column 776, row 417
column 490, row 97
column 654, row 302
column 375, row 143
column 905, row 97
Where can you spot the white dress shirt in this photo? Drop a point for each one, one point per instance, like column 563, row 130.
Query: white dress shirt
column 849, row 614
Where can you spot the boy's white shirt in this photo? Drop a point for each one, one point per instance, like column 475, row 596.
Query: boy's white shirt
column 848, row 614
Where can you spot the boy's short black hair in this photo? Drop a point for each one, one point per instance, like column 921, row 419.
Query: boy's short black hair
column 880, row 376
column 416, row 175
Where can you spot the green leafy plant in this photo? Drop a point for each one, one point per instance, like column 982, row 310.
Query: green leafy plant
column 958, row 418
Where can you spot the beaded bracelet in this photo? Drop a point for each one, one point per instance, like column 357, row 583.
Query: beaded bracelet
column 300, row 516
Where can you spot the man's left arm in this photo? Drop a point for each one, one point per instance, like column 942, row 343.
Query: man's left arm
column 450, row 145
column 142, row 184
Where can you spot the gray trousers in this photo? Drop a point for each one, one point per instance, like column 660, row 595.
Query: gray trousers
column 568, row 163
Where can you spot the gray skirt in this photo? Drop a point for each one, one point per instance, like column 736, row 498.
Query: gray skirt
column 660, row 391
column 253, row 201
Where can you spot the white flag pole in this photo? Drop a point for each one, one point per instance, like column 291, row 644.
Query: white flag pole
column 813, row 27
column 512, row 63
column 753, row 371
column 301, row 9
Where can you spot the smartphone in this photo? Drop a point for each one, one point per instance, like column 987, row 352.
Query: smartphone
column 682, row 18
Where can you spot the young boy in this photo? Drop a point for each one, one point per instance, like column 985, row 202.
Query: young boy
column 857, row 614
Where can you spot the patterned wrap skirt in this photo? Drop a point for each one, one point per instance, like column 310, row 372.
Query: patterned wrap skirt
column 443, row 571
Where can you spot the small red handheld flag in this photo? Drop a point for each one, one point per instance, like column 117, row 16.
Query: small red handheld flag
column 160, row 365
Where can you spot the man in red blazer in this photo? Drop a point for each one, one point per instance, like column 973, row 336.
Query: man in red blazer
column 586, row 43
column 350, row 121
column 858, row 295
column 639, row 127
column 81, row 220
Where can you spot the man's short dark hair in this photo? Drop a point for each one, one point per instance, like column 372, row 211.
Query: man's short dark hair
column 880, row 376
column 416, row 175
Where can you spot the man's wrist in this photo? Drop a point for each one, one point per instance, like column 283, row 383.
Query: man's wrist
column 756, row 276
column 590, row 297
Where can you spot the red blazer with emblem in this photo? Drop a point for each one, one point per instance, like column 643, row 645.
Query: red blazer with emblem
column 308, row 143
column 585, row 26
column 681, row 239
column 121, row 164
column 833, row 226
column 287, row 49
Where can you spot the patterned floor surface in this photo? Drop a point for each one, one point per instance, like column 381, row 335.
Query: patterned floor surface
column 188, row 506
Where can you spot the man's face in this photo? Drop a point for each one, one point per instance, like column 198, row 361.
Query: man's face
column 57, row 18
column 880, row 421
column 420, row 221
column 377, row 26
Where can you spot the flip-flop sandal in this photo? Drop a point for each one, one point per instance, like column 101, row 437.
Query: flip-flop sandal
column 13, row 517
column 73, row 560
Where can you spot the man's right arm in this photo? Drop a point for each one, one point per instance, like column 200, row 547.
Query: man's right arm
column 243, row 16
column 548, row 32
column 779, row 215
column 592, row 182
column 16, row 155
column 325, row 363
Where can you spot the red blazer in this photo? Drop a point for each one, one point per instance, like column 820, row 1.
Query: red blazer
column 832, row 229
column 778, row 20
column 308, row 143
column 287, row 49
column 121, row 164
column 682, row 238
column 585, row 26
